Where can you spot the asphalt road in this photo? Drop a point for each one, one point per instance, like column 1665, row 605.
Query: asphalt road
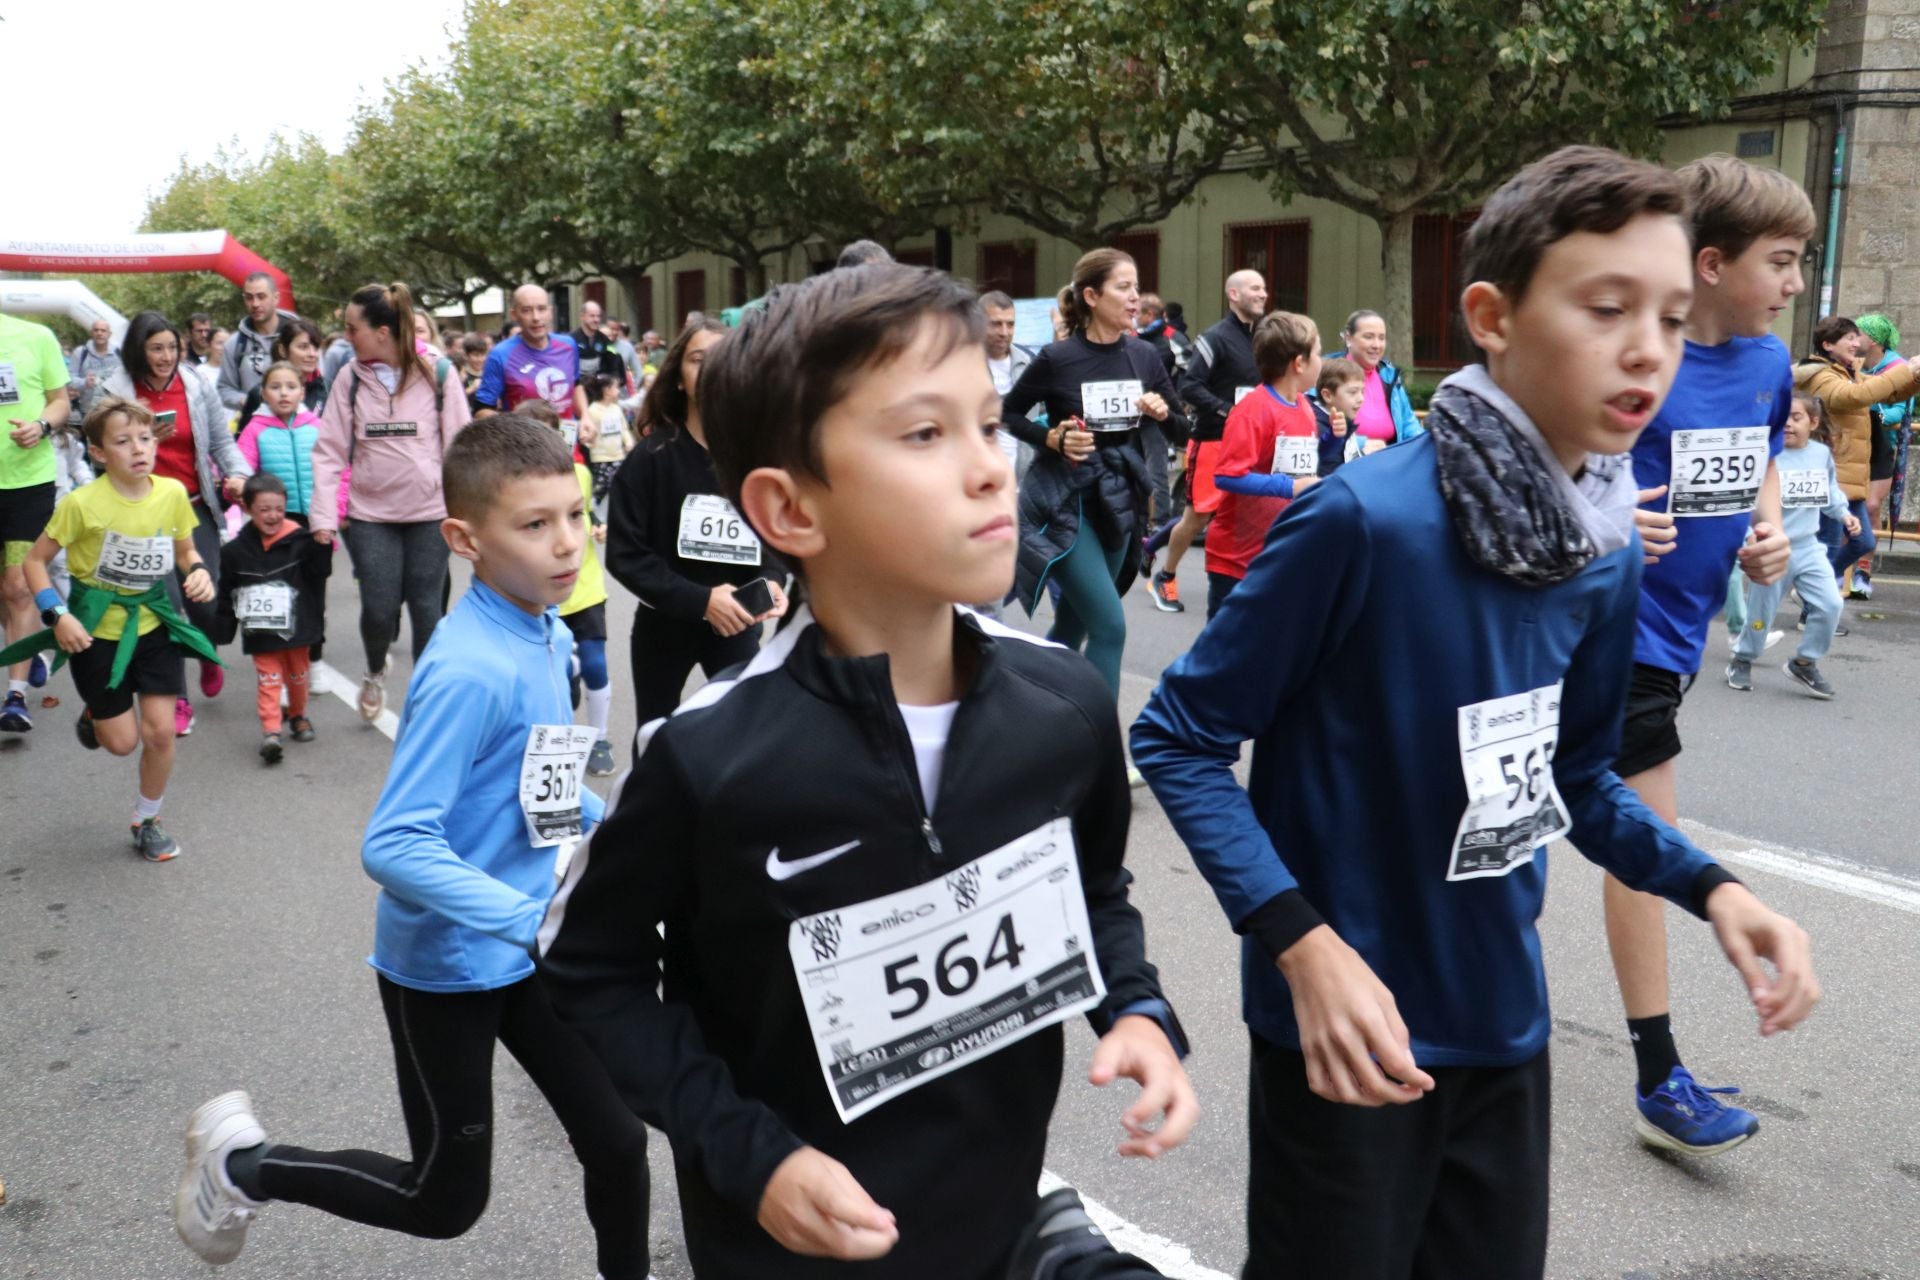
column 129, row 993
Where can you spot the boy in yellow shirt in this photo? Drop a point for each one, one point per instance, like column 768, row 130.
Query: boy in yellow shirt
column 123, row 535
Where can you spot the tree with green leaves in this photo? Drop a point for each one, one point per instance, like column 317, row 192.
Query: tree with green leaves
column 709, row 99
column 1395, row 108
column 1078, row 119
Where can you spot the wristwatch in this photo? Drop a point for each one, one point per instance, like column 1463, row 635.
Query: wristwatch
column 51, row 617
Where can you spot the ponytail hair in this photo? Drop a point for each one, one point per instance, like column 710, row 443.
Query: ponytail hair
column 1091, row 272
column 390, row 307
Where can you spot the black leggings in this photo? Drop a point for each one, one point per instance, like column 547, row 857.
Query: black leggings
column 443, row 1049
column 665, row 652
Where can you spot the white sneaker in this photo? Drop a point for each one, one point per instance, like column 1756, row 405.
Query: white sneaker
column 1773, row 638
column 209, row 1212
column 373, row 695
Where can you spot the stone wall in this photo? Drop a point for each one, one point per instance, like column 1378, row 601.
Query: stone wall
column 1875, row 45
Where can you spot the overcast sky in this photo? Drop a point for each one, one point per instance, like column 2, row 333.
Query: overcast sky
column 121, row 90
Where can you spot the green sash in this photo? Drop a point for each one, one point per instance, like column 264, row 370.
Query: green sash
column 90, row 604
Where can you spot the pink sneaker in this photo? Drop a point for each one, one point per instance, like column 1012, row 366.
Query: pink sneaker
column 182, row 718
column 213, row 678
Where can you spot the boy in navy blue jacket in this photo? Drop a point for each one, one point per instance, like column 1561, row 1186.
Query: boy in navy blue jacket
column 485, row 795
column 1388, row 897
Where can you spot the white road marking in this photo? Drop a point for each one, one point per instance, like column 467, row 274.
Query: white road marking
column 327, row 679
column 1174, row 1259
column 1817, row 869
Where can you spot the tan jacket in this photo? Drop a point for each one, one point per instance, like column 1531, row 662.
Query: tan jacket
column 1848, row 398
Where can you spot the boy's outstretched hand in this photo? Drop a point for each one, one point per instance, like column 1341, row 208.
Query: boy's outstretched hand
column 814, row 1206
column 1764, row 560
column 1136, row 1047
column 1357, row 1048
column 1750, row 932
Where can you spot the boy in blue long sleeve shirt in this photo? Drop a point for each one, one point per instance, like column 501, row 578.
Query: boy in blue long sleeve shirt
column 483, row 798
column 1388, row 896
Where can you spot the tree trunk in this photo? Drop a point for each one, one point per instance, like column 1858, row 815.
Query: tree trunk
column 1396, row 305
column 756, row 270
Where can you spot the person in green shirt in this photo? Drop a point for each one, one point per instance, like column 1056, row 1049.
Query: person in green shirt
column 33, row 393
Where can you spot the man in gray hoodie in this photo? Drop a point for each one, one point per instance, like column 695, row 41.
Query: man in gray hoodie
column 250, row 349
column 92, row 364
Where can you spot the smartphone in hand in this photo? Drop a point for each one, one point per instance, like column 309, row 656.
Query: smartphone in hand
column 755, row 597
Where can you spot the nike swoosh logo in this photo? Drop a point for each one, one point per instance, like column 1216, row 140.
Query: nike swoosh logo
column 779, row 870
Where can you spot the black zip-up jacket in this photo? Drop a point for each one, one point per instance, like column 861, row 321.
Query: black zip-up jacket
column 298, row 561
column 803, row 752
column 1221, row 363
column 643, row 529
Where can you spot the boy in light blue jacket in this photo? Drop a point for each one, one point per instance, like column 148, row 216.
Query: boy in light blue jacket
column 483, row 803
column 1809, row 488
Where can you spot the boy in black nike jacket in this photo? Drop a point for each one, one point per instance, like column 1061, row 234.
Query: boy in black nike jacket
column 887, row 852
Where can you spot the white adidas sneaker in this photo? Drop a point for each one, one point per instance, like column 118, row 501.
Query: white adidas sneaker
column 209, row 1212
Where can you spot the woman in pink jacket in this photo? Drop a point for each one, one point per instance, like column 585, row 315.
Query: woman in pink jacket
column 390, row 416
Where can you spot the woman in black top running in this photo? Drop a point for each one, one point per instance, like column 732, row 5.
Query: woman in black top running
column 1084, row 501
column 677, row 544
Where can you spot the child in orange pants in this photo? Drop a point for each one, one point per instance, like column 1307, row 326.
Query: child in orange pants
column 273, row 589
column 284, row 673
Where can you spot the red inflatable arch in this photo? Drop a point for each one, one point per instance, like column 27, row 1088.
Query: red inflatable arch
column 160, row 251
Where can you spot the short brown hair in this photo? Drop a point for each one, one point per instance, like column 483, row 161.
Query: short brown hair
column 1573, row 190
column 1338, row 372
column 765, row 386
column 1733, row 203
column 489, row 453
column 541, row 412
column 1279, row 339
column 1829, row 329
column 95, row 427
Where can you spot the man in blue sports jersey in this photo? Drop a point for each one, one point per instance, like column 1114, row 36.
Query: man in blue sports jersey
column 1710, row 498
column 534, row 364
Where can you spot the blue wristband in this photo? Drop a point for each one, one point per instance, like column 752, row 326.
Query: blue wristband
column 47, row 598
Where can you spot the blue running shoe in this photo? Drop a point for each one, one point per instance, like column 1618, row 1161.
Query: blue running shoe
column 1682, row 1115
column 14, row 717
column 37, row 672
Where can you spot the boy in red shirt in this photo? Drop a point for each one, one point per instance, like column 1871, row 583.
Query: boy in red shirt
column 1269, row 453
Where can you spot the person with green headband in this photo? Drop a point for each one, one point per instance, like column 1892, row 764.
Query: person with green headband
column 124, row 535
column 1878, row 352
